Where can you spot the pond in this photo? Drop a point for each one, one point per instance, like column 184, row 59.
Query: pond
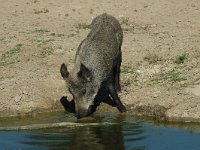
column 111, row 131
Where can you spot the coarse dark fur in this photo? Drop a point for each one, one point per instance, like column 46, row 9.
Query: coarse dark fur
column 97, row 67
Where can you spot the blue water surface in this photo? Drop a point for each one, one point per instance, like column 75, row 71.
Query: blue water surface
column 128, row 133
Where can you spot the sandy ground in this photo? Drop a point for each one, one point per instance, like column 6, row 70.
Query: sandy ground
column 160, row 74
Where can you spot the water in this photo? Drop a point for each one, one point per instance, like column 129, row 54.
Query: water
column 126, row 132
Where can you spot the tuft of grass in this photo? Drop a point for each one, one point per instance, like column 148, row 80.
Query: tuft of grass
column 125, row 29
column 124, row 21
column 1, row 39
column 44, row 10
column 42, row 30
column 126, row 69
column 152, row 58
column 83, row 26
column 43, row 42
column 175, row 77
column 11, row 52
column 60, row 35
column 180, row 59
column 170, row 77
column 91, row 11
column 52, row 34
column 35, row 1
column 60, row 47
column 131, row 72
column 7, row 77
column 46, row 52
column 1, row 78
column 71, row 35
column 6, row 63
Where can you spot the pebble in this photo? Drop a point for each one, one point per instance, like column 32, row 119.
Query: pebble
column 18, row 98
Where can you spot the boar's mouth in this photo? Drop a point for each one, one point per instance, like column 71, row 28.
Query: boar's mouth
column 69, row 106
column 80, row 113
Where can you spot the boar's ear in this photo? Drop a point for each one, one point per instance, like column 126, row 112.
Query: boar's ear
column 85, row 73
column 64, row 72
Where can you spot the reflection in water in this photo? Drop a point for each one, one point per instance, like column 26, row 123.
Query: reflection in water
column 126, row 132
column 87, row 138
column 133, row 134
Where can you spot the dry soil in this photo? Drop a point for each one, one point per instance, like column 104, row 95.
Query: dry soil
column 160, row 73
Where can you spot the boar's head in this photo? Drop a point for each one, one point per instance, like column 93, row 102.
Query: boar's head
column 81, row 85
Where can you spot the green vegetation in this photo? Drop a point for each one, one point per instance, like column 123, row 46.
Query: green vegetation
column 152, row 58
column 8, row 54
column 71, row 35
column 43, row 42
column 171, row 77
column 59, row 46
column 78, row 27
column 58, row 35
column 42, row 30
column 46, row 52
column 130, row 71
column 6, row 77
column 1, row 39
column 46, row 42
column 124, row 21
column 11, row 52
column 83, row 26
column 125, row 29
column 52, row 34
column 127, row 69
column 5, row 63
column 180, row 59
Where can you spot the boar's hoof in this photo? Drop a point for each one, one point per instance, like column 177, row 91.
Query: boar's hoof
column 122, row 108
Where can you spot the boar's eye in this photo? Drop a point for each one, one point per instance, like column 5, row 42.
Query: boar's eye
column 83, row 91
column 92, row 91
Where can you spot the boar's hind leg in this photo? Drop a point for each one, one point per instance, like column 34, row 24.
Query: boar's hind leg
column 117, row 73
column 116, row 98
column 104, row 96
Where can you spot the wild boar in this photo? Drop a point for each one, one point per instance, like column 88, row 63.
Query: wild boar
column 97, row 66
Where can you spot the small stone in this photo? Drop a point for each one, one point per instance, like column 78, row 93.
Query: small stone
column 153, row 25
column 58, row 51
column 138, row 71
column 18, row 98
column 24, row 92
column 155, row 96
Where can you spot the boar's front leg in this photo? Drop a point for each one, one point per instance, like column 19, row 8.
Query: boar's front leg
column 116, row 98
column 69, row 106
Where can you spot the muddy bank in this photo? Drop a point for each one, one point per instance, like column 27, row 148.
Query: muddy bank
column 160, row 73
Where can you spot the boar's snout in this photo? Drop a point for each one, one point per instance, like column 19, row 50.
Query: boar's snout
column 83, row 112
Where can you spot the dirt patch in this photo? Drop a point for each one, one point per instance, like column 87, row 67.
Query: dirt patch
column 156, row 112
column 161, row 53
column 194, row 90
